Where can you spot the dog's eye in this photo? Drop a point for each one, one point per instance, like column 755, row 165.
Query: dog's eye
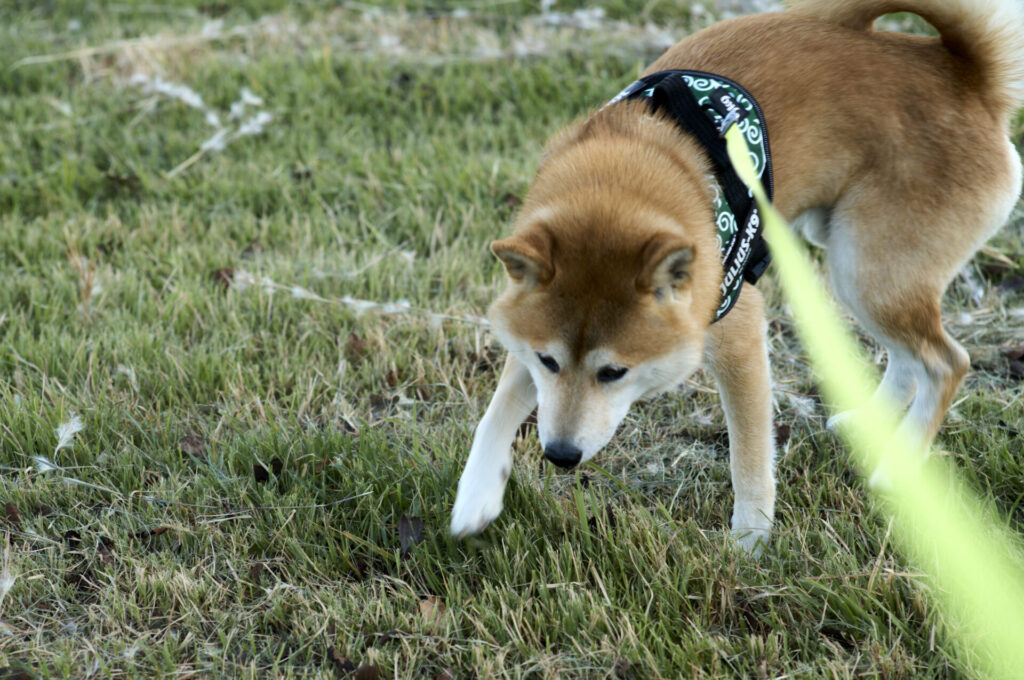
column 609, row 374
column 548, row 361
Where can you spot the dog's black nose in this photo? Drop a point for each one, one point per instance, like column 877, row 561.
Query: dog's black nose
column 563, row 454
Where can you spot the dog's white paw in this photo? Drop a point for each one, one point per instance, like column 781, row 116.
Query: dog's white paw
column 752, row 541
column 840, row 421
column 880, row 480
column 478, row 501
column 751, row 526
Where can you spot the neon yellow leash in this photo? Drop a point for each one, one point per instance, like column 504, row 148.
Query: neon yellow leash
column 976, row 565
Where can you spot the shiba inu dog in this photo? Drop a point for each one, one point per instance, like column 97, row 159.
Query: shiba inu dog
column 894, row 150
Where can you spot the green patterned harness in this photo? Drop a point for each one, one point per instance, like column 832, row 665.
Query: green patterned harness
column 705, row 105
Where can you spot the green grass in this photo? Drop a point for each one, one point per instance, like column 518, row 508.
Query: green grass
column 234, row 420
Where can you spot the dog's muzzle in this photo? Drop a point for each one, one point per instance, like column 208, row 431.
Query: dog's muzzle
column 563, row 454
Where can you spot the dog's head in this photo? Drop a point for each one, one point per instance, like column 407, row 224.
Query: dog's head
column 614, row 279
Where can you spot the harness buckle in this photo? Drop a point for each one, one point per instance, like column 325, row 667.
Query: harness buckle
column 730, row 119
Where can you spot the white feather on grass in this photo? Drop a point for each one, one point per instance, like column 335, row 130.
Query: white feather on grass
column 66, row 431
column 254, row 124
column 223, row 135
column 241, row 280
column 43, row 464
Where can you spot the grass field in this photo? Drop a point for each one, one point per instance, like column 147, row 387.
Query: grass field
column 246, row 245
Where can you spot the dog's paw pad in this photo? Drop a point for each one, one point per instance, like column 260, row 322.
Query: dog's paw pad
column 472, row 514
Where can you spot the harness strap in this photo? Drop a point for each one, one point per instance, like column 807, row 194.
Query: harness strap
column 745, row 255
column 674, row 96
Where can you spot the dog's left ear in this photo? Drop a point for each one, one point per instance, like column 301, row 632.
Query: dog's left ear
column 667, row 264
column 526, row 257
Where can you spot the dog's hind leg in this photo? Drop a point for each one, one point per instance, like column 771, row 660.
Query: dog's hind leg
column 738, row 359
column 897, row 389
column 482, row 485
column 895, row 293
column 922, row 355
column 896, row 241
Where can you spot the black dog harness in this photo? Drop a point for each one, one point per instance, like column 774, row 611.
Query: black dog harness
column 705, row 105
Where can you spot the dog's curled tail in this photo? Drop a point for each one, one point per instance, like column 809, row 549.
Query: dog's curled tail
column 989, row 33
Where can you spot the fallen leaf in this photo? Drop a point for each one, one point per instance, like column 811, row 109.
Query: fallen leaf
column 781, row 327
column 402, row 80
column 148, row 533
column 432, row 608
column 1012, row 284
column 410, row 532
column 252, row 249
column 782, row 432
column 13, row 516
column 358, row 568
column 480, row 364
column 72, row 538
column 342, row 666
column 995, row 270
column 380, row 403
column 193, row 444
column 527, row 425
column 355, row 347
column 117, row 183
column 1012, row 431
column 215, row 9
column 81, row 579
column 17, row 673
column 366, row 672
column 624, row 670
column 224, row 277
column 150, row 477
column 104, row 549
column 1014, row 353
column 392, row 635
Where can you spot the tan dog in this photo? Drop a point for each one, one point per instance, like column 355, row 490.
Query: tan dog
column 895, row 149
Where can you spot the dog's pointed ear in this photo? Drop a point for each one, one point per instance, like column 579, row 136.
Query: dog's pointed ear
column 667, row 264
column 527, row 258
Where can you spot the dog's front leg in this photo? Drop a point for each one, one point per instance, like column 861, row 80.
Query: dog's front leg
column 737, row 349
column 482, row 484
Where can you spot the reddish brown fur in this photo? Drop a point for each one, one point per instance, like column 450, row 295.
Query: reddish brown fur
column 609, row 195
column 899, row 140
column 885, row 127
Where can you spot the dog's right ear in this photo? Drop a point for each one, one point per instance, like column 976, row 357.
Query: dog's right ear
column 667, row 264
column 527, row 259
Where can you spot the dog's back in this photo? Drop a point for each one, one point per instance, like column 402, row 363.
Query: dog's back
column 987, row 34
column 845, row 101
column 898, row 145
